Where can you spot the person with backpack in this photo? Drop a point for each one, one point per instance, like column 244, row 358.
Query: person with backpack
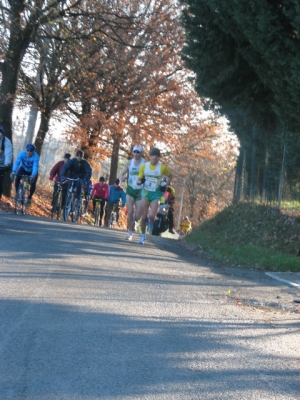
column 6, row 153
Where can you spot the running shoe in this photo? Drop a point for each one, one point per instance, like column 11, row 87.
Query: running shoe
column 128, row 236
column 142, row 239
column 28, row 203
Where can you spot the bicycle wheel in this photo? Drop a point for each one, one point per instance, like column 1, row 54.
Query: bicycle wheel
column 97, row 214
column 76, row 214
column 24, row 199
column 112, row 219
column 18, row 199
column 86, row 205
column 68, row 206
column 156, row 228
column 55, row 205
column 59, row 206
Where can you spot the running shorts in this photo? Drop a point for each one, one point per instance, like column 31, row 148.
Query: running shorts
column 135, row 193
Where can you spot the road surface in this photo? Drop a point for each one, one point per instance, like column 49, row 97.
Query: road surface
column 86, row 315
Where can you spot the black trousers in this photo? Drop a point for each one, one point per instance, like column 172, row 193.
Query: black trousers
column 1, row 181
column 102, row 204
column 171, row 218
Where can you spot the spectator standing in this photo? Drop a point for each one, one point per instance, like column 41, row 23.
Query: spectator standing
column 5, row 157
column 169, row 195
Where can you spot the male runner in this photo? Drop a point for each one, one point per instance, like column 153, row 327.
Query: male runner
column 133, row 191
column 151, row 175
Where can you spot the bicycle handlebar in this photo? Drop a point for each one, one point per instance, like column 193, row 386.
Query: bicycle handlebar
column 5, row 168
column 73, row 179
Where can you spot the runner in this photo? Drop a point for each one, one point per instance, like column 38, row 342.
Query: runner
column 151, row 175
column 133, row 191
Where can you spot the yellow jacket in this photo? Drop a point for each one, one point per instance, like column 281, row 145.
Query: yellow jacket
column 186, row 226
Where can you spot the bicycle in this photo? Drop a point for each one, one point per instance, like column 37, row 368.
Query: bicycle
column 97, row 211
column 85, row 205
column 182, row 234
column 57, row 202
column 22, row 193
column 113, row 216
column 70, row 203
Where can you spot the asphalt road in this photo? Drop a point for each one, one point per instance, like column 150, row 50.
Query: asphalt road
column 86, row 315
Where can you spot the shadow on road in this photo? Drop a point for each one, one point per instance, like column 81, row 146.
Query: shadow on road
column 76, row 353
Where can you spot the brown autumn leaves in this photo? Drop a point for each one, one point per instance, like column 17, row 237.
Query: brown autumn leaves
column 122, row 82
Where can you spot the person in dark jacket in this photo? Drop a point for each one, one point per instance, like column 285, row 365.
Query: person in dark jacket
column 5, row 157
column 78, row 168
column 55, row 176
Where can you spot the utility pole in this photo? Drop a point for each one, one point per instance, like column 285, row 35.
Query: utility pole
column 180, row 208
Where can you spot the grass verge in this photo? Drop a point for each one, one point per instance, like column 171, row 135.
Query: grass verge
column 251, row 235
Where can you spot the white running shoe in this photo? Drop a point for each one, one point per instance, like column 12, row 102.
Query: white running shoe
column 142, row 239
column 128, row 236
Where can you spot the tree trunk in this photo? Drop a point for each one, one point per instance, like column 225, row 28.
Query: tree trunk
column 281, row 178
column 253, row 182
column 238, row 181
column 43, row 129
column 115, row 159
column 33, row 114
column 18, row 42
column 265, row 174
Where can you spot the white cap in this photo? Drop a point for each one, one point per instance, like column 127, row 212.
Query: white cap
column 137, row 148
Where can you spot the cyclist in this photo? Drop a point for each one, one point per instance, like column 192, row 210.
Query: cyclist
column 55, row 176
column 100, row 191
column 27, row 163
column 116, row 193
column 151, row 175
column 78, row 168
column 5, row 157
column 186, row 225
column 133, row 190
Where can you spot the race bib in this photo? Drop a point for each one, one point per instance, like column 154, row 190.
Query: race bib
column 134, row 184
column 150, row 184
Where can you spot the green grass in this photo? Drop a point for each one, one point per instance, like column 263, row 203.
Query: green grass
column 252, row 235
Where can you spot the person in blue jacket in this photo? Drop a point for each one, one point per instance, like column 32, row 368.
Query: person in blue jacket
column 27, row 163
column 116, row 193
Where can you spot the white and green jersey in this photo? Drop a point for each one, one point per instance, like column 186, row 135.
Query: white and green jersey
column 133, row 172
column 153, row 177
